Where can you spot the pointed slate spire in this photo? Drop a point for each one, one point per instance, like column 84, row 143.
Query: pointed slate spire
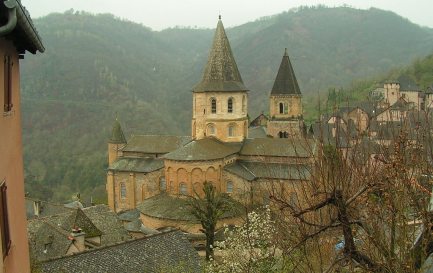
column 221, row 72
column 285, row 82
column 117, row 135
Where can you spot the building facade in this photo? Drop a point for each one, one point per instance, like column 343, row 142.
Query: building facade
column 17, row 35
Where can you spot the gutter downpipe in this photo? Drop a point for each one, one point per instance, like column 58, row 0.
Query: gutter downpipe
column 12, row 17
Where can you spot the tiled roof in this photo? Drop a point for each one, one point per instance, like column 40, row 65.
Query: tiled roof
column 117, row 135
column 253, row 170
column 257, row 132
column 45, row 208
column 277, row 147
column 129, row 215
column 48, row 236
column 108, row 223
column 221, row 72
column 165, row 206
column 94, row 221
column 144, row 165
column 204, row 149
column 285, row 83
column 157, row 253
column 154, row 144
column 23, row 33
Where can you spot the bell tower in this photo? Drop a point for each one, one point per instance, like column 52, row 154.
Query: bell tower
column 285, row 109
column 220, row 98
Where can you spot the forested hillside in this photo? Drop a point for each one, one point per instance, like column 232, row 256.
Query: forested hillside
column 96, row 67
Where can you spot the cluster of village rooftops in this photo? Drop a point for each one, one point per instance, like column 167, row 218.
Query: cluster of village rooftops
column 150, row 177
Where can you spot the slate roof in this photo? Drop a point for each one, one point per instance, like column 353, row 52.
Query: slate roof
column 285, row 83
column 129, row 215
column 94, row 221
column 143, row 165
column 257, row 132
column 45, row 208
column 108, row 223
column 277, row 147
column 221, row 72
column 407, row 84
column 155, row 144
column 157, row 253
column 48, row 236
column 117, row 135
column 204, row 149
column 254, row 170
column 176, row 208
column 23, row 34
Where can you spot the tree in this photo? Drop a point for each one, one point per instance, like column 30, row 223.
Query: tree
column 357, row 211
column 208, row 209
column 250, row 247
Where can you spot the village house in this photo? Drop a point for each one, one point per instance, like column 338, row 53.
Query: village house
column 17, row 35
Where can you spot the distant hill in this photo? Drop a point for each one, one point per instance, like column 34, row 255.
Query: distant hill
column 97, row 65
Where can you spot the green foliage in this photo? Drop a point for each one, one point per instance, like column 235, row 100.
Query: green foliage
column 97, row 65
column 208, row 210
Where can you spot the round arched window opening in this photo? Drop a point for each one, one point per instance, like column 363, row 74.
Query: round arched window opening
column 230, row 105
column 229, row 187
column 183, row 190
column 162, row 184
column 213, row 105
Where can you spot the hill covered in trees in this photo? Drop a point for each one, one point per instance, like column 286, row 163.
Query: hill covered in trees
column 97, row 66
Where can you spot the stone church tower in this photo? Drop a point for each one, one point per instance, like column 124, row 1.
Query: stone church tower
column 285, row 103
column 220, row 99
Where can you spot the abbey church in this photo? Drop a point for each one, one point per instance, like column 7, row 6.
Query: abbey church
column 154, row 173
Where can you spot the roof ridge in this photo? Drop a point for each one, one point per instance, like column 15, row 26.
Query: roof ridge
column 112, row 245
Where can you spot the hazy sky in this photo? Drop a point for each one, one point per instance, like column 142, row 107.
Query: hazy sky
column 160, row 14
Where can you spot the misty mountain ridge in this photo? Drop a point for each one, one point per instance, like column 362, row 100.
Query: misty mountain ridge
column 97, row 65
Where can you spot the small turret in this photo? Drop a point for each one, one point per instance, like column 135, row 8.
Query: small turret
column 285, row 101
column 116, row 142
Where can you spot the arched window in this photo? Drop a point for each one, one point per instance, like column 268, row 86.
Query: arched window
column 286, row 135
column 122, row 190
column 211, row 131
column 162, row 184
column 183, row 189
column 230, row 105
column 286, row 108
column 231, row 130
column 280, row 134
column 281, row 108
column 229, row 187
column 213, row 105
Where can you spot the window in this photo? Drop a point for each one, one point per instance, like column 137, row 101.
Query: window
column 4, row 221
column 211, row 129
column 162, row 184
column 281, row 108
column 122, row 190
column 230, row 105
column 283, row 134
column 213, row 105
column 286, row 108
column 183, row 189
column 231, row 130
column 7, row 80
column 229, row 187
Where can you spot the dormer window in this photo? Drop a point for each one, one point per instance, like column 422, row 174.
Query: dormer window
column 213, row 106
column 230, row 105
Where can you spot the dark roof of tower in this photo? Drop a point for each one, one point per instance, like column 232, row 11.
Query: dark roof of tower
column 221, row 72
column 117, row 135
column 285, row 82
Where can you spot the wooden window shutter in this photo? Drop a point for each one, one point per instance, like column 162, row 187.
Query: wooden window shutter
column 7, row 83
column 4, row 220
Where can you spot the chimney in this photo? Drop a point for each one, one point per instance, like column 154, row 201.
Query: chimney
column 37, row 208
column 78, row 236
